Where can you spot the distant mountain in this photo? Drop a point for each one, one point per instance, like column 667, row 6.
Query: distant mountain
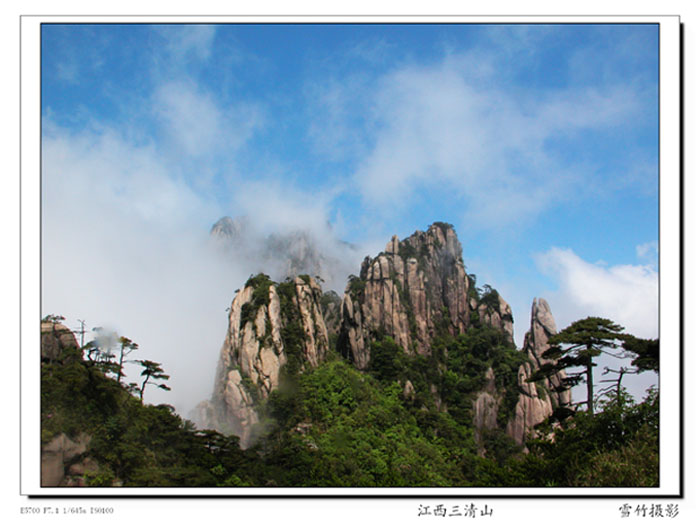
column 287, row 254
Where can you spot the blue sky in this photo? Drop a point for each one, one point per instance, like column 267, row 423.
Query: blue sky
column 538, row 142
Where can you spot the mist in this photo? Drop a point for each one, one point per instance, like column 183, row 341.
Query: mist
column 127, row 245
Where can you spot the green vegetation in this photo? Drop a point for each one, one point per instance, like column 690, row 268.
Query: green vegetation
column 342, row 427
column 646, row 351
column 356, row 287
column 53, row 318
column 485, row 295
column 469, row 357
column 473, row 291
column 292, row 331
column 406, row 251
column 406, row 421
column 261, row 296
column 490, row 298
column 133, row 444
column 617, row 446
column 330, row 298
column 151, row 371
column 577, row 346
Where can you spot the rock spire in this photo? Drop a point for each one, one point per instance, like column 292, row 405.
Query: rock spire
column 270, row 325
column 538, row 400
column 411, row 291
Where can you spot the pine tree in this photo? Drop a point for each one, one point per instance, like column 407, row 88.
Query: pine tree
column 579, row 344
column 152, row 370
column 126, row 347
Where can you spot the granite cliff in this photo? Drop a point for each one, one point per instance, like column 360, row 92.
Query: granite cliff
column 409, row 290
column 271, row 325
column 538, row 400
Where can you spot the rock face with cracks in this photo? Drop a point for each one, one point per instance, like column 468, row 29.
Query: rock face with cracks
column 269, row 325
column 55, row 339
column 64, row 462
column 537, row 400
column 486, row 407
column 409, row 290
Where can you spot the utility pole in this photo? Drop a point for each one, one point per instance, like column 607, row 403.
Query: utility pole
column 82, row 333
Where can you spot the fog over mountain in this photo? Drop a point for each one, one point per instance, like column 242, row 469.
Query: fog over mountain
column 288, row 252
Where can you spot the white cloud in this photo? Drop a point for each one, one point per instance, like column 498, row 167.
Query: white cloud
column 457, row 126
column 648, row 253
column 125, row 245
column 196, row 122
column 627, row 294
column 274, row 207
column 185, row 41
column 285, row 207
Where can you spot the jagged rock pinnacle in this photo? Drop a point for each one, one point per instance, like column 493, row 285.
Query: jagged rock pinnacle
column 412, row 290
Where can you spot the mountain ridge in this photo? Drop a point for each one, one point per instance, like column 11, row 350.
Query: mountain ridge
column 417, row 293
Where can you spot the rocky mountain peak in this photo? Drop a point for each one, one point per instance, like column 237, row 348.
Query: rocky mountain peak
column 413, row 290
column 56, row 339
column 271, row 325
column 227, row 229
column 539, row 399
column 541, row 316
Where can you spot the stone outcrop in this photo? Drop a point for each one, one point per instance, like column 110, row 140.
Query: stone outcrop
column 270, row 325
column 542, row 327
column 63, row 461
column 331, row 307
column 413, row 290
column 56, row 339
column 486, row 407
column 537, row 400
column 493, row 311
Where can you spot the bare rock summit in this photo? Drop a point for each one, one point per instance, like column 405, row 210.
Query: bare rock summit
column 409, row 292
column 271, row 325
column 537, row 400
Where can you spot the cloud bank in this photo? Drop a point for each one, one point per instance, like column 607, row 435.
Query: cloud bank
column 457, row 128
column 627, row 294
column 125, row 244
